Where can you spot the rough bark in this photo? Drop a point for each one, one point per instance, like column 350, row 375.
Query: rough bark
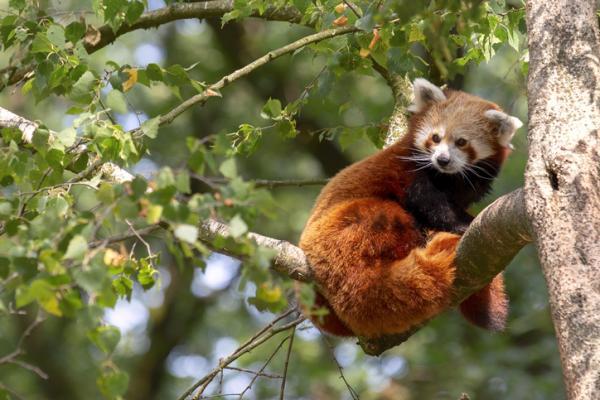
column 562, row 181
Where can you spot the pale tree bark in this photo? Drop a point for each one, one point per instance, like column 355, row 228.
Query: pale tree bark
column 562, row 182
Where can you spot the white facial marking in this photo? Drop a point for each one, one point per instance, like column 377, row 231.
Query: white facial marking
column 482, row 150
column 447, row 158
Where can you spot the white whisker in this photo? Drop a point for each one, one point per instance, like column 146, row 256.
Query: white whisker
column 465, row 177
column 474, row 172
column 420, row 168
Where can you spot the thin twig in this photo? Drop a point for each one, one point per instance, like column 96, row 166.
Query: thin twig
column 287, row 361
column 256, row 340
column 265, row 364
column 36, row 370
column 11, row 391
column 119, row 238
column 141, row 239
column 249, row 371
column 57, row 186
column 11, row 358
column 351, row 390
column 263, row 183
column 351, row 7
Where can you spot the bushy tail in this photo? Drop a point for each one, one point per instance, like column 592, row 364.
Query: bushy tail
column 487, row 308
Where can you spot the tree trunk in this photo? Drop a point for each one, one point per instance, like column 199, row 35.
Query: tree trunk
column 562, row 183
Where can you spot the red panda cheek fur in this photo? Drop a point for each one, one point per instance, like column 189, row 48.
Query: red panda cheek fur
column 381, row 247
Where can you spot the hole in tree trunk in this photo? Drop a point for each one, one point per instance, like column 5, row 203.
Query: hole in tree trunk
column 553, row 179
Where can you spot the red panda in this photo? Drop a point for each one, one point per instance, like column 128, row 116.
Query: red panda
column 382, row 235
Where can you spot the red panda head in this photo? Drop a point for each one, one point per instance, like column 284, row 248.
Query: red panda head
column 454, row 130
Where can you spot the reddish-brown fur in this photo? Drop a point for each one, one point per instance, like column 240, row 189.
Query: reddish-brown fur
column 376, row 272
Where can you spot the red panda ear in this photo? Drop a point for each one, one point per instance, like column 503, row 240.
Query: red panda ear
column 425, row 93
column 507, row 126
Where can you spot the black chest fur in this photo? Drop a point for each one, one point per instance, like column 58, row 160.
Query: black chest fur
column 439, row 201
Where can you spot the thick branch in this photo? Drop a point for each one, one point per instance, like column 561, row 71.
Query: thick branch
column 290, row 260
column 178, row 11
column 491, row 242
column 9, row 119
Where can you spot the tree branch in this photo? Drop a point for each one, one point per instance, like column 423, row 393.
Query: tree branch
column 8, row 119
column 490, row 243
column 178, row 11
column 290, row 260
column 259, row 62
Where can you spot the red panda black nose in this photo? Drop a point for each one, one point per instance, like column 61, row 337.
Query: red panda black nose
column 443, row 160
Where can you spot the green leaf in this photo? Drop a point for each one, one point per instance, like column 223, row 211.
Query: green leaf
column 134, row 11
column 154, row 72
column 57, row 206
column 17, row 4
column 176, row 76
column 271, row 109
column 186, row 233
column 41, row 44
column 67, row 137
column 105, row 338
column 56, row 36
column 366, row 22
column 115, row 100
column 77, row 248
column 83, row 89
column 415, row 34
column 74, row 31
column 139, row 186
column 228, row 168
column 42, row 291
column 5, row 209
column 150, row 127
column 268, row 297
column 112, row 8
column 165, row 178
column 4, row 267
column 123, row 286
column 154, row 213
column 113, row 384
column 182, row 182
column 147, row 276
column 286, row 128
column 237, row 226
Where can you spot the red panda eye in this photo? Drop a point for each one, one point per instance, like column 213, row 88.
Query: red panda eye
column 461, row 142
column 436, row 138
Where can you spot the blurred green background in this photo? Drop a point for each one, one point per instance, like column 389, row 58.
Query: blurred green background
column 178, row 331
